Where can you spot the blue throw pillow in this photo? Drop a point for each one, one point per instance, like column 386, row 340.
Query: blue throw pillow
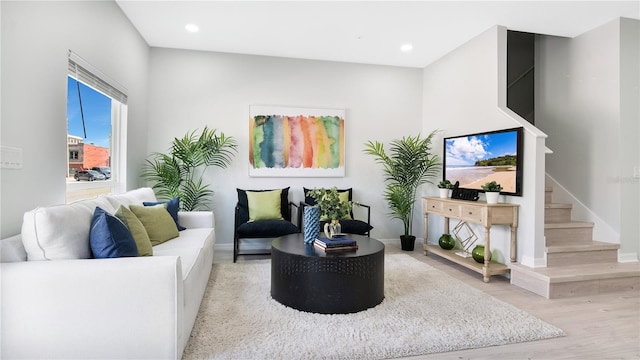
column 173, row 206
column 110, row 237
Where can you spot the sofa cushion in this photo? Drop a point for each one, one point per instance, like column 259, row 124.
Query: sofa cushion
column 137, row 230
column 352, row 226
column 173, row 207
column 189, row 238
column 110, row 237
column 60, row 231
column 157, row 221
column 266, row 229
column 190, row 246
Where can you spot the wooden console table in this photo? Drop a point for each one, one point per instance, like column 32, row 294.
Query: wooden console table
column 473, row 212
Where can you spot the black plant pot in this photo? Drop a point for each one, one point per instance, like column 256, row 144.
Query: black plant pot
column 407, row 242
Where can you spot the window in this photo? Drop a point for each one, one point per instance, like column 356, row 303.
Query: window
column 96, row 132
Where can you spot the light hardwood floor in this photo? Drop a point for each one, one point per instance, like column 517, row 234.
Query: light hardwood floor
column 605, row 326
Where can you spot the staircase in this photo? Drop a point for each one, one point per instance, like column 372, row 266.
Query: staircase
column 576, row 264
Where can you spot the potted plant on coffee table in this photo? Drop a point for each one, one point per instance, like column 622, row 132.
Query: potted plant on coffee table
column 407, row 165
column 492, row 191
column 332, row 208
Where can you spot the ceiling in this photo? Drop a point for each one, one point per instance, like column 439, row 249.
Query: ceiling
column 369, row 32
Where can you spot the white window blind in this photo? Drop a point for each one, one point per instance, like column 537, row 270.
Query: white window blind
column 82, row 71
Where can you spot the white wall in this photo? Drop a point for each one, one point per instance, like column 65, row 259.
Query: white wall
column 629, row 137
column 190, row 89
column 464, row 92
column 36, row 37
column 587, row 100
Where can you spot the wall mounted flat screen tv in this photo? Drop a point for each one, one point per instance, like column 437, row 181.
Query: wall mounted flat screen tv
column 476, row 159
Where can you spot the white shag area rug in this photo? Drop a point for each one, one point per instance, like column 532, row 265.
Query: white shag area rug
column 424, row 311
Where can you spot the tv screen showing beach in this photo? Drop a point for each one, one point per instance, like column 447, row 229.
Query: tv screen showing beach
column 476, row 159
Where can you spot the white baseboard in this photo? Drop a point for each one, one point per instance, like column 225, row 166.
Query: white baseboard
column 223, row 247
column 533, row 262
column 627, row 257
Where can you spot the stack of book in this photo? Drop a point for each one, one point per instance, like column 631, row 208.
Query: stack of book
column 336, row 244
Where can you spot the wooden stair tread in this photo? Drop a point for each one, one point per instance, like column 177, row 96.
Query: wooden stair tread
column 577, row 246
column 557, row 206
column 582, row 272
column 567, row 225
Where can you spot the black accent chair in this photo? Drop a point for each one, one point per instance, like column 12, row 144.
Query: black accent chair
column 349, row 226
column 265, row 228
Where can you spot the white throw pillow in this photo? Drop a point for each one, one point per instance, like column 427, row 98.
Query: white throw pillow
column 135, row 197
column 60, row 231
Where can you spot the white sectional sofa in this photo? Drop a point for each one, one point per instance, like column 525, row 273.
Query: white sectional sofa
column 85, row 308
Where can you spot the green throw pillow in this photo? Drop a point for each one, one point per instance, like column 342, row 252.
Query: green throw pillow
column 157, row 221
column 264, row 205
column 138, row 231
column 344, row 197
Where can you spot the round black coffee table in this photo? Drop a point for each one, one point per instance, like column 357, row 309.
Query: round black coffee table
column 308, row 279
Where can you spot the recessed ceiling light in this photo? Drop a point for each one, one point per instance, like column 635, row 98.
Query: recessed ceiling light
column 406, row 47
column 192, row 28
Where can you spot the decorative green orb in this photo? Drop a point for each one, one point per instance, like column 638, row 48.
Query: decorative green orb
column 478, row 254
column 447, row 242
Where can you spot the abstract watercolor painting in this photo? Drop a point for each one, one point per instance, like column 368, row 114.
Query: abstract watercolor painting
column 296, row 142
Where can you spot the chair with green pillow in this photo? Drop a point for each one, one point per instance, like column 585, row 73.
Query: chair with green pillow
column 349, row 225
column 261, row 216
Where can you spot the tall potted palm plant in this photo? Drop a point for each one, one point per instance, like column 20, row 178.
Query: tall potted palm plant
column 180, row 172
column 407, row 165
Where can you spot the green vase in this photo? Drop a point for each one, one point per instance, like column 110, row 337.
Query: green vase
column 447, row 242
column 478, row 254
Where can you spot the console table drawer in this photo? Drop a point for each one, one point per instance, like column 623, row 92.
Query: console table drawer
column 451, row 210
column 474, row 214
column 433, row 206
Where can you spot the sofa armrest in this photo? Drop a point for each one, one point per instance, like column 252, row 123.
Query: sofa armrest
column 12, row 250
column 92, row 308
column 196, row 219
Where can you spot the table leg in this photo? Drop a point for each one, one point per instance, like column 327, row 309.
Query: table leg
column 486, row 275
column 426, row 233
column 514, row 228
column 513, row 243
column 446, row 225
